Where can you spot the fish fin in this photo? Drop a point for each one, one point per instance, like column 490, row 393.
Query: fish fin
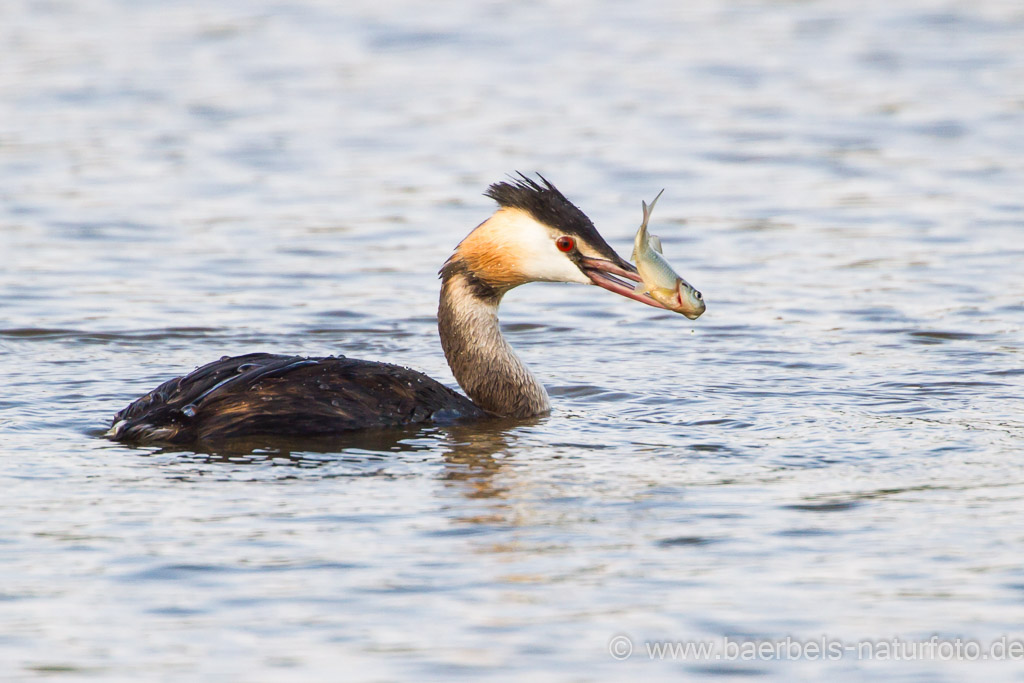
column 648, row 208
column 655, row 243
column 642, row 237
column 640, row 287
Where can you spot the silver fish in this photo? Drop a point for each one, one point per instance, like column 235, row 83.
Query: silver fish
column 659, row 280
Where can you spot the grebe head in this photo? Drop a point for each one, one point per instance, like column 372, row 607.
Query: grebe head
column 537, row 235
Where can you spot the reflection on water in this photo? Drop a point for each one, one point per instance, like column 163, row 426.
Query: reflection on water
column 833, row 448
column 471, row 454
column 474, row 457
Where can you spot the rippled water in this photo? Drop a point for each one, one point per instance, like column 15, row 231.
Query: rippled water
column 833, row 450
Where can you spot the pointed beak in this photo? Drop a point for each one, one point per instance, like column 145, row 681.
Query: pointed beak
column 616, row 277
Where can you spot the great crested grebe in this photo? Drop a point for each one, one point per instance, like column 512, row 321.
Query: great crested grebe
column 536, row 235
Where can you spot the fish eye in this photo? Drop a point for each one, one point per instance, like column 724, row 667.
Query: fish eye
column 565, row 243
column 697, row 294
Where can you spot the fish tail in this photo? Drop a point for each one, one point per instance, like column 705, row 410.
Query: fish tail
column 641, row 240
column 649, row 208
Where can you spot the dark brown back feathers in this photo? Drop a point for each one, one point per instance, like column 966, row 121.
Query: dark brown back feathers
column 263, row 393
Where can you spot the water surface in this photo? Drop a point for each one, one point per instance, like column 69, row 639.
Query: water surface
column 832, row 450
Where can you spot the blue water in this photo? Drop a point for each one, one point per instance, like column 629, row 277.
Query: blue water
column 833, row 451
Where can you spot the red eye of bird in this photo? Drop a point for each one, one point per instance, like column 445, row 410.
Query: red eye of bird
column 565, row 243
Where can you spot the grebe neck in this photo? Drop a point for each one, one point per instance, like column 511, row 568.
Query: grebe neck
column 483, row 362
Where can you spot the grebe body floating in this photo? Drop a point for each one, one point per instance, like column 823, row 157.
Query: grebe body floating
column 536, row 235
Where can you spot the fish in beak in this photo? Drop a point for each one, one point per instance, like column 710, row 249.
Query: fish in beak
column 657, row 279
column 619, row 278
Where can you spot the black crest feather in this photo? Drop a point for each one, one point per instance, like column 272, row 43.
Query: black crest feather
column 549, row 206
